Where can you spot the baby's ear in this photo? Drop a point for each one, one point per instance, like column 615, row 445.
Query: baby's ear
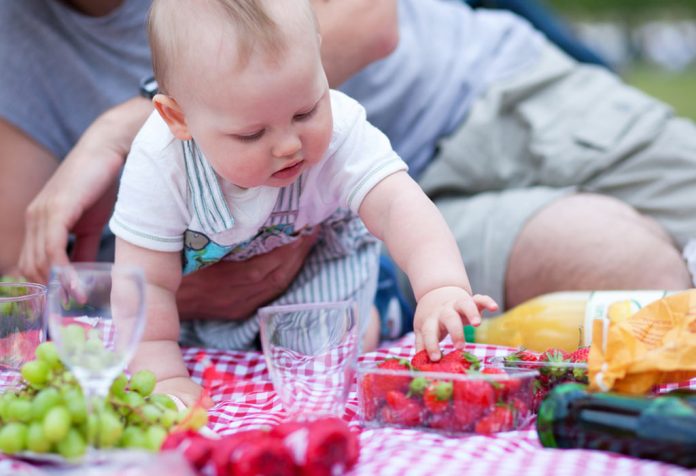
column 171, row 112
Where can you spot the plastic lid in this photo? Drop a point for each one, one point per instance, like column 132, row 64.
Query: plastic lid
column 470, row 333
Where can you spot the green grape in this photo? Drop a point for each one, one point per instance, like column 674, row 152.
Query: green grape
column 94, row 345
column 6, row 399
column 90, row 427
column 73, row 445
column 47, row 353
column 133, row 437
column 7, row 309
column 36, row 372
column 134, row 400
column 13, row 438
column 110, row 429
column 43, row 402
column 19, row 409
column 73, row 338
column 163, row 401
column 56, row 424
column 118, row 387
column 154, row 437
column 143, row 382
column 150, row 413
column 193, row 418
column 36, row 440
column 69, row 378
column 168, row 418
column 75, row 403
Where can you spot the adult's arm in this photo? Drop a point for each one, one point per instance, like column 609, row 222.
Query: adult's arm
column 79, row 197
column 354, row 34
column 25, row 166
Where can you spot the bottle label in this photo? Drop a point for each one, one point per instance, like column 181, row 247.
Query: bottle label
column 598, row 305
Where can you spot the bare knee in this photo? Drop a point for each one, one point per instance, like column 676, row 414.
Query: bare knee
column 592, row 242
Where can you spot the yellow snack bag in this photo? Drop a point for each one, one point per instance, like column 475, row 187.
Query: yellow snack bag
column 633, row 352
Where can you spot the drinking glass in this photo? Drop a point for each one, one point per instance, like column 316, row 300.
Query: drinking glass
column 311, row 352
column 96, row 316
column 21, row 327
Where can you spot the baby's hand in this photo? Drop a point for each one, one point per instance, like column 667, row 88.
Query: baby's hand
column 444, row 310
column 183, row 388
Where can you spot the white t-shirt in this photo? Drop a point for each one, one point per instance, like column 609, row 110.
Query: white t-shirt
column 157, row 203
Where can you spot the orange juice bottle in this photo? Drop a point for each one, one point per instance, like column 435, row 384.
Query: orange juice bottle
column 561, row 320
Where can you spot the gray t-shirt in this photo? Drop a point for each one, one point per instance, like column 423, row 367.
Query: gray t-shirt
column 447, row 56
column 60, row 69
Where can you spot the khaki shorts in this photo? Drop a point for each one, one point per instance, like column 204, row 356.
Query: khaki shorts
column 555, row 129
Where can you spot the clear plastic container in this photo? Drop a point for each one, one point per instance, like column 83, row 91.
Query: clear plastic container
column 549, row 375
column 450, row 403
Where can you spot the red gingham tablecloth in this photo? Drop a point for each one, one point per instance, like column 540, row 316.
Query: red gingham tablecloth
column 245, row 399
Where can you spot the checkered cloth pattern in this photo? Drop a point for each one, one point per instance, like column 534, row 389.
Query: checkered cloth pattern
column 244, row 399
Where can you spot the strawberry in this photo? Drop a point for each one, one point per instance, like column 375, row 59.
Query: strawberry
column 437, row 396
column 442, row 421
column 502, row 387
column 370, row 401
column 471, row 400
column 450, row 367
column 467, row 359
column 401, row 410
column 523, row 359
column 539, row 393
column 195, row 448
column 580, row 375
column 580, row 357
column 520, row 408
column 421, row 361
column 554, row 356
column 418, row 386
column 381, row 384
column 500, row 419
column 321, row 447
column 252, row 452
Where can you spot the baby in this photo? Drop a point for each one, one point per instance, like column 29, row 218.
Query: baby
column 248, row 150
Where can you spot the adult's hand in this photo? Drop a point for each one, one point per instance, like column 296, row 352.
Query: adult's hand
column 354, row 34
column 80, row 195
column 234, row 290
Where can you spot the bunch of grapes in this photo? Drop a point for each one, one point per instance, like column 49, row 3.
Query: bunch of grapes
column 48, row 413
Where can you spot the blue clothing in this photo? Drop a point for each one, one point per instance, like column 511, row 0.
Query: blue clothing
column 446, row 57
column 61, row 69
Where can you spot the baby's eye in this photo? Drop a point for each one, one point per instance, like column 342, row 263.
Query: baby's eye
column 305, row 115
column 249, row 137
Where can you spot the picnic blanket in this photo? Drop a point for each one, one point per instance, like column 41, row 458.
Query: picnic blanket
column 245, row 399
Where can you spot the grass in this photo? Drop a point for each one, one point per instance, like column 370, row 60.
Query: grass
column 675, row 88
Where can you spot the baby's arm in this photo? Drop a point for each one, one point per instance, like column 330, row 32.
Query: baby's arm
column 159, row 350
column 398, row 212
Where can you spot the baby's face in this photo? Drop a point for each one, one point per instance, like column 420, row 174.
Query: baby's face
column 266, row 122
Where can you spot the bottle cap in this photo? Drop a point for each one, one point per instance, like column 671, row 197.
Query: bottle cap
column 470, row 333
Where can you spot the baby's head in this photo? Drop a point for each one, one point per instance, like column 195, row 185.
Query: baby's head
column 243, row 78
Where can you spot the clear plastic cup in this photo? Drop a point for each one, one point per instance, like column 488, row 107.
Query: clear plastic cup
column 22, row 327
column 311, row 352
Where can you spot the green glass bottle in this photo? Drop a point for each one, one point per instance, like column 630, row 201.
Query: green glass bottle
column 661, row 428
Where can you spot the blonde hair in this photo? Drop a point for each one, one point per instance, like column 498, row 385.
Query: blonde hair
column 249, row 19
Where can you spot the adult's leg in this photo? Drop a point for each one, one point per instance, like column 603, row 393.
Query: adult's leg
column 25, row 168
column 590, row 241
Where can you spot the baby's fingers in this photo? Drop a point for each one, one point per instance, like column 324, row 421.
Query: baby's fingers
column 431, row 338
column 485, row 302
column 469, row 309
column 453, row 323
